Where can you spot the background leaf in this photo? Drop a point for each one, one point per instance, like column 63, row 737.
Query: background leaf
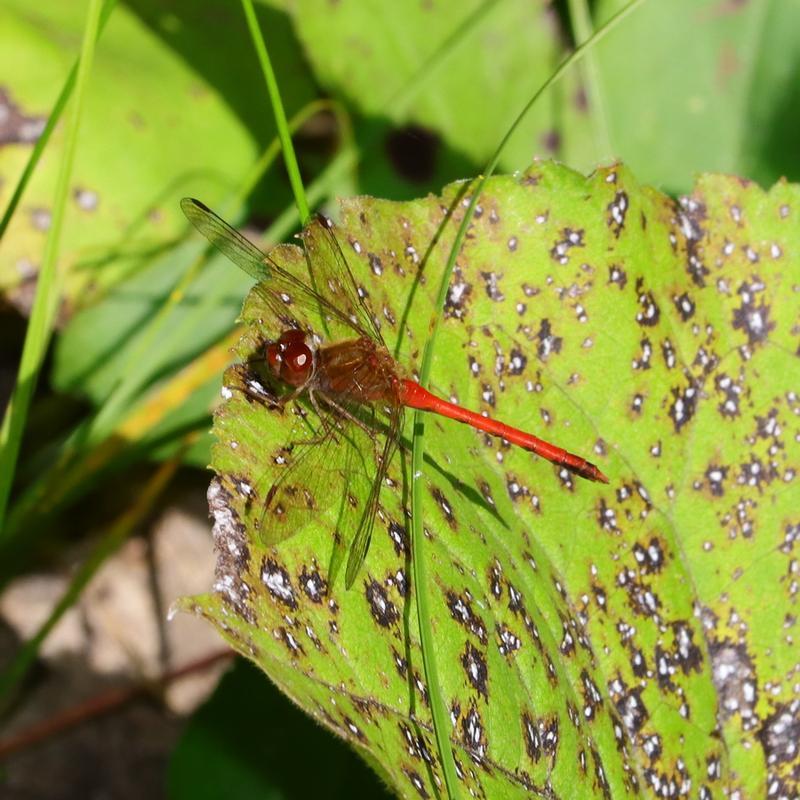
column 467, row 97
column 720, row 78
column 168, row 114
column 591, row 639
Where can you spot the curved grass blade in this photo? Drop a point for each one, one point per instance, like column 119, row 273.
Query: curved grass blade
column 48, row 290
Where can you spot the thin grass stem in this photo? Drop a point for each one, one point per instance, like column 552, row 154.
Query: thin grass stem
column 48, row 287
column 289, row 157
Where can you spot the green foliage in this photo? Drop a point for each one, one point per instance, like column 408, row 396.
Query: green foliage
column 168, row 114
column 89, row 365
column 726, row 81
column 721, row 79
column 466, row 96
column 679, row 575
column 589, row 638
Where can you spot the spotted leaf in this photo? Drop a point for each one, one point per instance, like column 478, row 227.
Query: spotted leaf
column 593, row 641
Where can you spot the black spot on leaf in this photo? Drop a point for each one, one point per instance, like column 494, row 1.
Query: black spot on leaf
column 549, row 343
column 491, row 281
column 684, row 404
column 458, row 295
column 517, row 362
column 473, row 735
column 383, row 610
column 445, row 506
column 474, row 663
column 461, row 610
column 779, row 734
column 313, row 584
column 734, row 676
column 715, row 478
column 631, row 709
column 413, row 151
column 399, row 537
column 617, row 209
column 684, row 305
column 690, row 214
column 15, row 126
column 649, row 313
column 617, row 276
column 278, row 583
column 416, row 782
column 569, row 238
column 752, row 317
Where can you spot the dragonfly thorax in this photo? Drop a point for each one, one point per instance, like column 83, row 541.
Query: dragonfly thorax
column 290, row 358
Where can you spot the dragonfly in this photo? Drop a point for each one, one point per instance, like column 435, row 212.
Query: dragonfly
column 318, row 339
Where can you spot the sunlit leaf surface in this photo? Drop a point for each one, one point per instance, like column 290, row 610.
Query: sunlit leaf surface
column 377, row 62
column 166, row 114
column 592, row 640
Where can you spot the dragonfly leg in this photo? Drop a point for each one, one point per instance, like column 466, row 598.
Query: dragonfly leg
column 328, row 427
column 269, row 400
column 283, row 400
column 347, row 415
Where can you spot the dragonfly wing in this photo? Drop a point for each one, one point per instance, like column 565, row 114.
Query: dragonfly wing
column 363, row 535
column 283, row 491
column 288, row 299
column 327, row 473
column 333, row 278
column 228, row 241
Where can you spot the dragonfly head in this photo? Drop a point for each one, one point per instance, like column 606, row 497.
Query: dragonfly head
column 290, row 358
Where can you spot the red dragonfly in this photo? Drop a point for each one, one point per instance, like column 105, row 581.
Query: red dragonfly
column 318, row 338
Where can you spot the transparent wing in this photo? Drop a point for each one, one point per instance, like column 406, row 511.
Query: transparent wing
column 363, row 536
column 329, row 471
column 289, row 300
column 332, row 276
column 228, row 241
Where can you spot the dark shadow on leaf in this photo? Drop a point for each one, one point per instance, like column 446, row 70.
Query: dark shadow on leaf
column 774, row 140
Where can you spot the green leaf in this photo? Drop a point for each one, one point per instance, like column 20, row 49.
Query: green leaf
column 375, row 59
column 168, row 113
column 590, row 639
column 720, row 78
column 104, row 342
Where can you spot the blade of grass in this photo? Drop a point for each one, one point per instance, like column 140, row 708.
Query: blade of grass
column 277, row 109
column 52, row 121
column 582, row 31
column 113, row 539
column 439, row 714
column 48, row 288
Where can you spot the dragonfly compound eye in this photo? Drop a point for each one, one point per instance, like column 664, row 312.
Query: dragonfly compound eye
column 290, row 358
column 297, row 363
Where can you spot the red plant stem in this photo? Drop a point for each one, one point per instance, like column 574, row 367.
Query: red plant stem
column 414, row 396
